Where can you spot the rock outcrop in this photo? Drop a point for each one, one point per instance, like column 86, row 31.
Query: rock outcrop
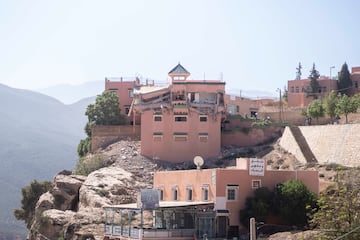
column 72, row 209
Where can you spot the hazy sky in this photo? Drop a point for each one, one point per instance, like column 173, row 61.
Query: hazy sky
column 252, row 44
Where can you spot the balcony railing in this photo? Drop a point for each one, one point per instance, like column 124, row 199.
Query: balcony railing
column 135, row 233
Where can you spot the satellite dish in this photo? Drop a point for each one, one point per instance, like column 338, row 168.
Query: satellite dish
column 198, row 161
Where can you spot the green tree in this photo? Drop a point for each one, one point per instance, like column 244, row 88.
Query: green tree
column 105, row 111
column 344, row 82
column 315, row 109
column 30, row 196
column 285, row 94
column 314, row 84
column 257, row 206
column 338, row 209
column 346, row 105
column 330, row 105
column 293, row 201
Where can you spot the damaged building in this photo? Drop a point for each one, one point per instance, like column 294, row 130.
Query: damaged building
column 182, row 119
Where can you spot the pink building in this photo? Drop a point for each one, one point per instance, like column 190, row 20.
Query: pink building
column 125, row 91
column 208, row 201
column 297, row 89
column 236, row 105
column 181, row 119
column 227, row 188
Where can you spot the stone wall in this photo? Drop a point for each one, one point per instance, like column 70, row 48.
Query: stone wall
column 102, row 136
column 329, row 143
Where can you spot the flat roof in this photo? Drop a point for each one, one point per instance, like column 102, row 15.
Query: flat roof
column 164, row 204
column 149, row 89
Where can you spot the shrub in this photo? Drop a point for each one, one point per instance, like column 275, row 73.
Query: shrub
column 293, row 199
column 30, row 196
column 84, row 146
column 85, row 166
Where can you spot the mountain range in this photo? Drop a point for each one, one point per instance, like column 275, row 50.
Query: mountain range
column 68, row 93
column 39, row 138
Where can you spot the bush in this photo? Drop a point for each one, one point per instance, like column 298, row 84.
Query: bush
column 84, row 147
column 30, row 196
column 257, row 207
column 85, row 166
column 293, row 201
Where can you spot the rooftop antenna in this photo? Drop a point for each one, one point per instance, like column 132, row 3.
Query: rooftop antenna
column 198, row 161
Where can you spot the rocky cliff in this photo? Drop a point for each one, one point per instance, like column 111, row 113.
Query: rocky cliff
column 72, row 209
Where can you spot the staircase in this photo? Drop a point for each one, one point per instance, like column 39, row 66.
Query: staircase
column 303, row 145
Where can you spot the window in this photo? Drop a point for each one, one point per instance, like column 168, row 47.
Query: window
column 157, row 118
column 189, row 193
column 205, row 192
column 203, row 137
column 157, row 136
column 160, row 190
column 180, row 137
column 127, row 109
column 161, row 194
column 256, row 184
column 179, row 78
column 237, row 108
column 231, row 192
column 131, row 92
column 356, row 84
column 203, row 118
column 292, row 89
column 180, row 118
column 297, row 89
column 174, row 193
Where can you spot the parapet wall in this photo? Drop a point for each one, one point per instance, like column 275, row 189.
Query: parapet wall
column 329, row 143
column 102, row 136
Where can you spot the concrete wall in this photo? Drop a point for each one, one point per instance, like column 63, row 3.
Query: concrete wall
column 329, row 143
column 289, row 143
column 102, row 136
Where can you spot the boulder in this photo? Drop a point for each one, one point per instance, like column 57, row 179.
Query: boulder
column 106, row 186
column 66, row 191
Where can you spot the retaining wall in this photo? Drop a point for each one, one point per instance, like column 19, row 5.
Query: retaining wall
column 102, row 136
column 329, row 143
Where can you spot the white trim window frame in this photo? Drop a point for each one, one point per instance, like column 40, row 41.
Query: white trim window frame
column 232, row 192
column 255, row 183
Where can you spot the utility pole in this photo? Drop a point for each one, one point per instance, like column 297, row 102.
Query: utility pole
column 330, row 79
column 280, row 105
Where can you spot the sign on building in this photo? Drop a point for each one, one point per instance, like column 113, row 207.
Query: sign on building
column 256, row 167
column 148, row 199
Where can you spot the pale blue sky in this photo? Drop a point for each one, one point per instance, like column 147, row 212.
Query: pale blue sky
column 256, row 45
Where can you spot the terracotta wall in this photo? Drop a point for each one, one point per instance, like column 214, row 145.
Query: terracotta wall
column 123, row 90
column 167, row 149
column 195, row 179
column 102, row 136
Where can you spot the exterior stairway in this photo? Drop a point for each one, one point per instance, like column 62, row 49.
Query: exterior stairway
column 303, row 145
